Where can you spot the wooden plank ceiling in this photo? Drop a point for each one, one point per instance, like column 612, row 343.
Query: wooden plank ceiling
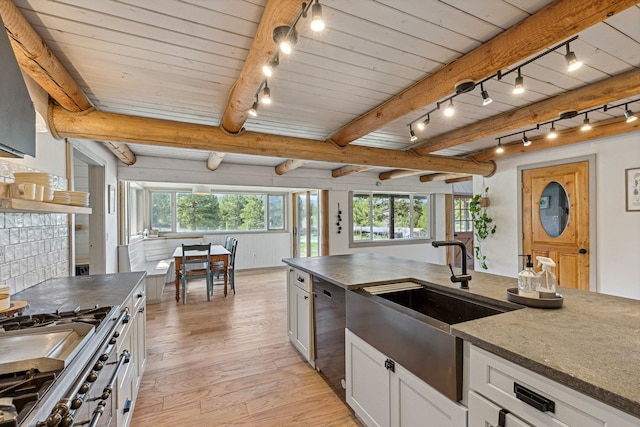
column 182, row 60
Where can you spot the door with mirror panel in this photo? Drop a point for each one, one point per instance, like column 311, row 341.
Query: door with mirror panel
column 555, row 219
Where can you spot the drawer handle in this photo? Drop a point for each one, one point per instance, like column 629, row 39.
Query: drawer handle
column 327, row 293
column 300, row 279
column 531, row 398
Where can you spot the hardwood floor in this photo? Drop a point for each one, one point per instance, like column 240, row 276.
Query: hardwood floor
column 229, row 362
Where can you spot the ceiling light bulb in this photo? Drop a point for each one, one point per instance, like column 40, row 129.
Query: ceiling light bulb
column 317, row 24
column 268, row 68
column 449, row 110
column 629, row 115
column 486, row 99
column 572, row 60
column 586, row 125
column 420, row 126
column 285, row 47
column 518, row 87
column 552, row 132
column 499, row 148
column 525, row 140
column 286, row 37
column 253, row 112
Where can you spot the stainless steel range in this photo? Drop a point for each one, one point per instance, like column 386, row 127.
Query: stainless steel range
column 59, row 369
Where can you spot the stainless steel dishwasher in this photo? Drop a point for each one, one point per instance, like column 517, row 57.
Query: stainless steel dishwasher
column 330, row 321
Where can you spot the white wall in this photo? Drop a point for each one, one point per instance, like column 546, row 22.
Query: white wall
column 617, row 231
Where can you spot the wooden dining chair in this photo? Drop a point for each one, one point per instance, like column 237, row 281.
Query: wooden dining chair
column 218, row 272
column 195, row 266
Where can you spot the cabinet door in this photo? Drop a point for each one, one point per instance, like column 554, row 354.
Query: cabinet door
column 484, row 413
column 367, row 382
column 303, row 321
column 140, row 342
column 413, row 401
column 291, row 307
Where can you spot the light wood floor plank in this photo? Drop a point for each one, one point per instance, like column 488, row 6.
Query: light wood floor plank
column 228, row 362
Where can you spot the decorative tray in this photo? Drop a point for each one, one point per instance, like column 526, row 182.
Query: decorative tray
column 553, row 302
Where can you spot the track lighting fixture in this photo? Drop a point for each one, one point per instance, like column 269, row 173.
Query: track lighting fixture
column 586, row 125
column 412, row 134
column 629, row 114
column 572, row 61
column 486, row 99
column 317, row 24
column 518, row 87
column 253, row 111
column 449, row 110
column 499, row 148
column 423, row 124
column 266, row 94
column 285, row 37
column 268, row 68
column 552, row 132
column 525, row 140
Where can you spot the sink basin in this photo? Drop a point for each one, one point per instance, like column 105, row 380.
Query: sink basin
column 410, row 322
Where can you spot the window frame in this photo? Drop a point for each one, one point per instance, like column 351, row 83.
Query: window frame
column 393, row 242
column 174, row 220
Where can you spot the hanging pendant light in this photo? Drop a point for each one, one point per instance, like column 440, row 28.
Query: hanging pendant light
column 586, row 125
column 518, row 87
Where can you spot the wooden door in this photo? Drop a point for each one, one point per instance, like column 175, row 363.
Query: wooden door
column 555, row 219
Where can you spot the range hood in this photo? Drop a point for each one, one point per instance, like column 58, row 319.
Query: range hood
column 17, row 115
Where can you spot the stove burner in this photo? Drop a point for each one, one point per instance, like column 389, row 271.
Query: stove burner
column 92, row 316
column 22, row 389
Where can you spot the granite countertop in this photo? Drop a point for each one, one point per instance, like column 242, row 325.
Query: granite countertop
column 67, row 293
column 591, row 344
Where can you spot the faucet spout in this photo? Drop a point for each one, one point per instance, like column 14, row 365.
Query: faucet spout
column 463, row 278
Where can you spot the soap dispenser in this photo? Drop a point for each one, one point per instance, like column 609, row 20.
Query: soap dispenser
column 528, row 281
column 546, row 277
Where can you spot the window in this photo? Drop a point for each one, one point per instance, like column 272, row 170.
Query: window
column 187, row 212
column 461, row 218
column 379, row 217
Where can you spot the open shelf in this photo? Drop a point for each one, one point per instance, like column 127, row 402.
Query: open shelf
column 21, row 205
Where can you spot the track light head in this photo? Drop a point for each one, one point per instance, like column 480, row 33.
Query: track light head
column 423, row 124
column 525, row 140
column 631, row 117
column 285, row 37
column 499, row 148
column 268, row 68
column 572, row 60
column 449, row 110
column 266, row 94
column 317, row 24
column 552, row 132
column 253, row 111
column 518, row 87
column 412, row 135
column 586, row 125
column 486, row 99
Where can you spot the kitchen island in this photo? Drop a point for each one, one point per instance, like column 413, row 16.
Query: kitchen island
column 95, row 376
column 591, row 344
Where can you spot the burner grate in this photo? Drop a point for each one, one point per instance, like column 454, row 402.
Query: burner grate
column 23, row 390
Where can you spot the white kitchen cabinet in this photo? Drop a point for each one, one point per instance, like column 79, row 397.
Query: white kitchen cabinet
column 383, row 393
column 300, row 312
column 493, row 384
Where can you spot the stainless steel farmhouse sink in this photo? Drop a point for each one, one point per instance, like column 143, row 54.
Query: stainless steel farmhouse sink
column 410, row 322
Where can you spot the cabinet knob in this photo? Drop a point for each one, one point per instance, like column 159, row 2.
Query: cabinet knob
column 582, row 251
column 306, row 297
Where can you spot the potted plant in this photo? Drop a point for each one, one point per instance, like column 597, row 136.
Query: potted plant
column 483, row 225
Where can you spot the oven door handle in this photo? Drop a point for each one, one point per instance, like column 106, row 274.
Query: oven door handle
column 125, row 357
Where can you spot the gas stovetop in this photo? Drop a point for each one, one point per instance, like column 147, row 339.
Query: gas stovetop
column 36, row 348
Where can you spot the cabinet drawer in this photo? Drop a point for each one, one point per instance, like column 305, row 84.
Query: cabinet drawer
column 497, row 379
column 302, row 280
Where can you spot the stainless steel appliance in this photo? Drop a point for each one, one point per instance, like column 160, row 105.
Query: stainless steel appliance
column 330, row 322
column 60, row 368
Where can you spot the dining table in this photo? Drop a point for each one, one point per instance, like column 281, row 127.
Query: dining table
column 218, row 254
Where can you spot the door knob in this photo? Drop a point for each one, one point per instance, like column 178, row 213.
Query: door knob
column 582, row 251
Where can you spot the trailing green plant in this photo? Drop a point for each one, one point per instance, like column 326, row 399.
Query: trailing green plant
column 483, row 225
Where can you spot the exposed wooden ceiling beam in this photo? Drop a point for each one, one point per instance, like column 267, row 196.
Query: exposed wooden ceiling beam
column 289, row 165
column 143, row 130
column 597, row 94
column 214, row 160
column 599, row 130
column 37, row 60
column 554, row 23
column 461, row 179
column 397, row 173
column 263, row 48
column 348, row 170
column 441, row 177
